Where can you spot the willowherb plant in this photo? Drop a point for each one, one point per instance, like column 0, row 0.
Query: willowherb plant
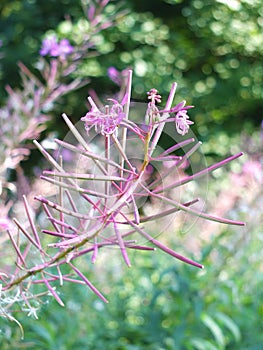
column 99, row 202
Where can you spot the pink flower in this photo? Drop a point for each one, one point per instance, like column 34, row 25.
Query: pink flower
column 118, row 77
column 182, row 122
column 181, row 118
column 5, row 224
column 154, row 96
column 115, row 75
column 51, row 47
column 106, row 122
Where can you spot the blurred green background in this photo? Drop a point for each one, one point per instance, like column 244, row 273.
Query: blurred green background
column 213, row 50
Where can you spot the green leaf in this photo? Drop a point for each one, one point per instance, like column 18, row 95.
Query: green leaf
column 43, row 333
column 215, row 330
column 201, row 344
column 229, row 324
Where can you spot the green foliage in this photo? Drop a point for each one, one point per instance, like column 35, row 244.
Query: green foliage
column 202, row 46
column 160, row 303
column 213, row 50
column 22, row 25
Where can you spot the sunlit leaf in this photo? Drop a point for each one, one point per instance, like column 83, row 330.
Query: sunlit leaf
column 201, row 344
column 217, row 332
column 229, row 324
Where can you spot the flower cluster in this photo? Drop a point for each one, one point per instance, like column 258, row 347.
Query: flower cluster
column 181, row 118
column 106, row 122
column 53, row 48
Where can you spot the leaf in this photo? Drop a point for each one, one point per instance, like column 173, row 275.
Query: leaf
column 215, row 329
column 230, row 325
column 201, row 344
column 43, row 333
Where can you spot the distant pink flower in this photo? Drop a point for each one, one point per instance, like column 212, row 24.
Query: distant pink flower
column 64, row 47
column 5, row 224
column 115, row 75
column 50, row 46
column 253, row 169
column 118, row 77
